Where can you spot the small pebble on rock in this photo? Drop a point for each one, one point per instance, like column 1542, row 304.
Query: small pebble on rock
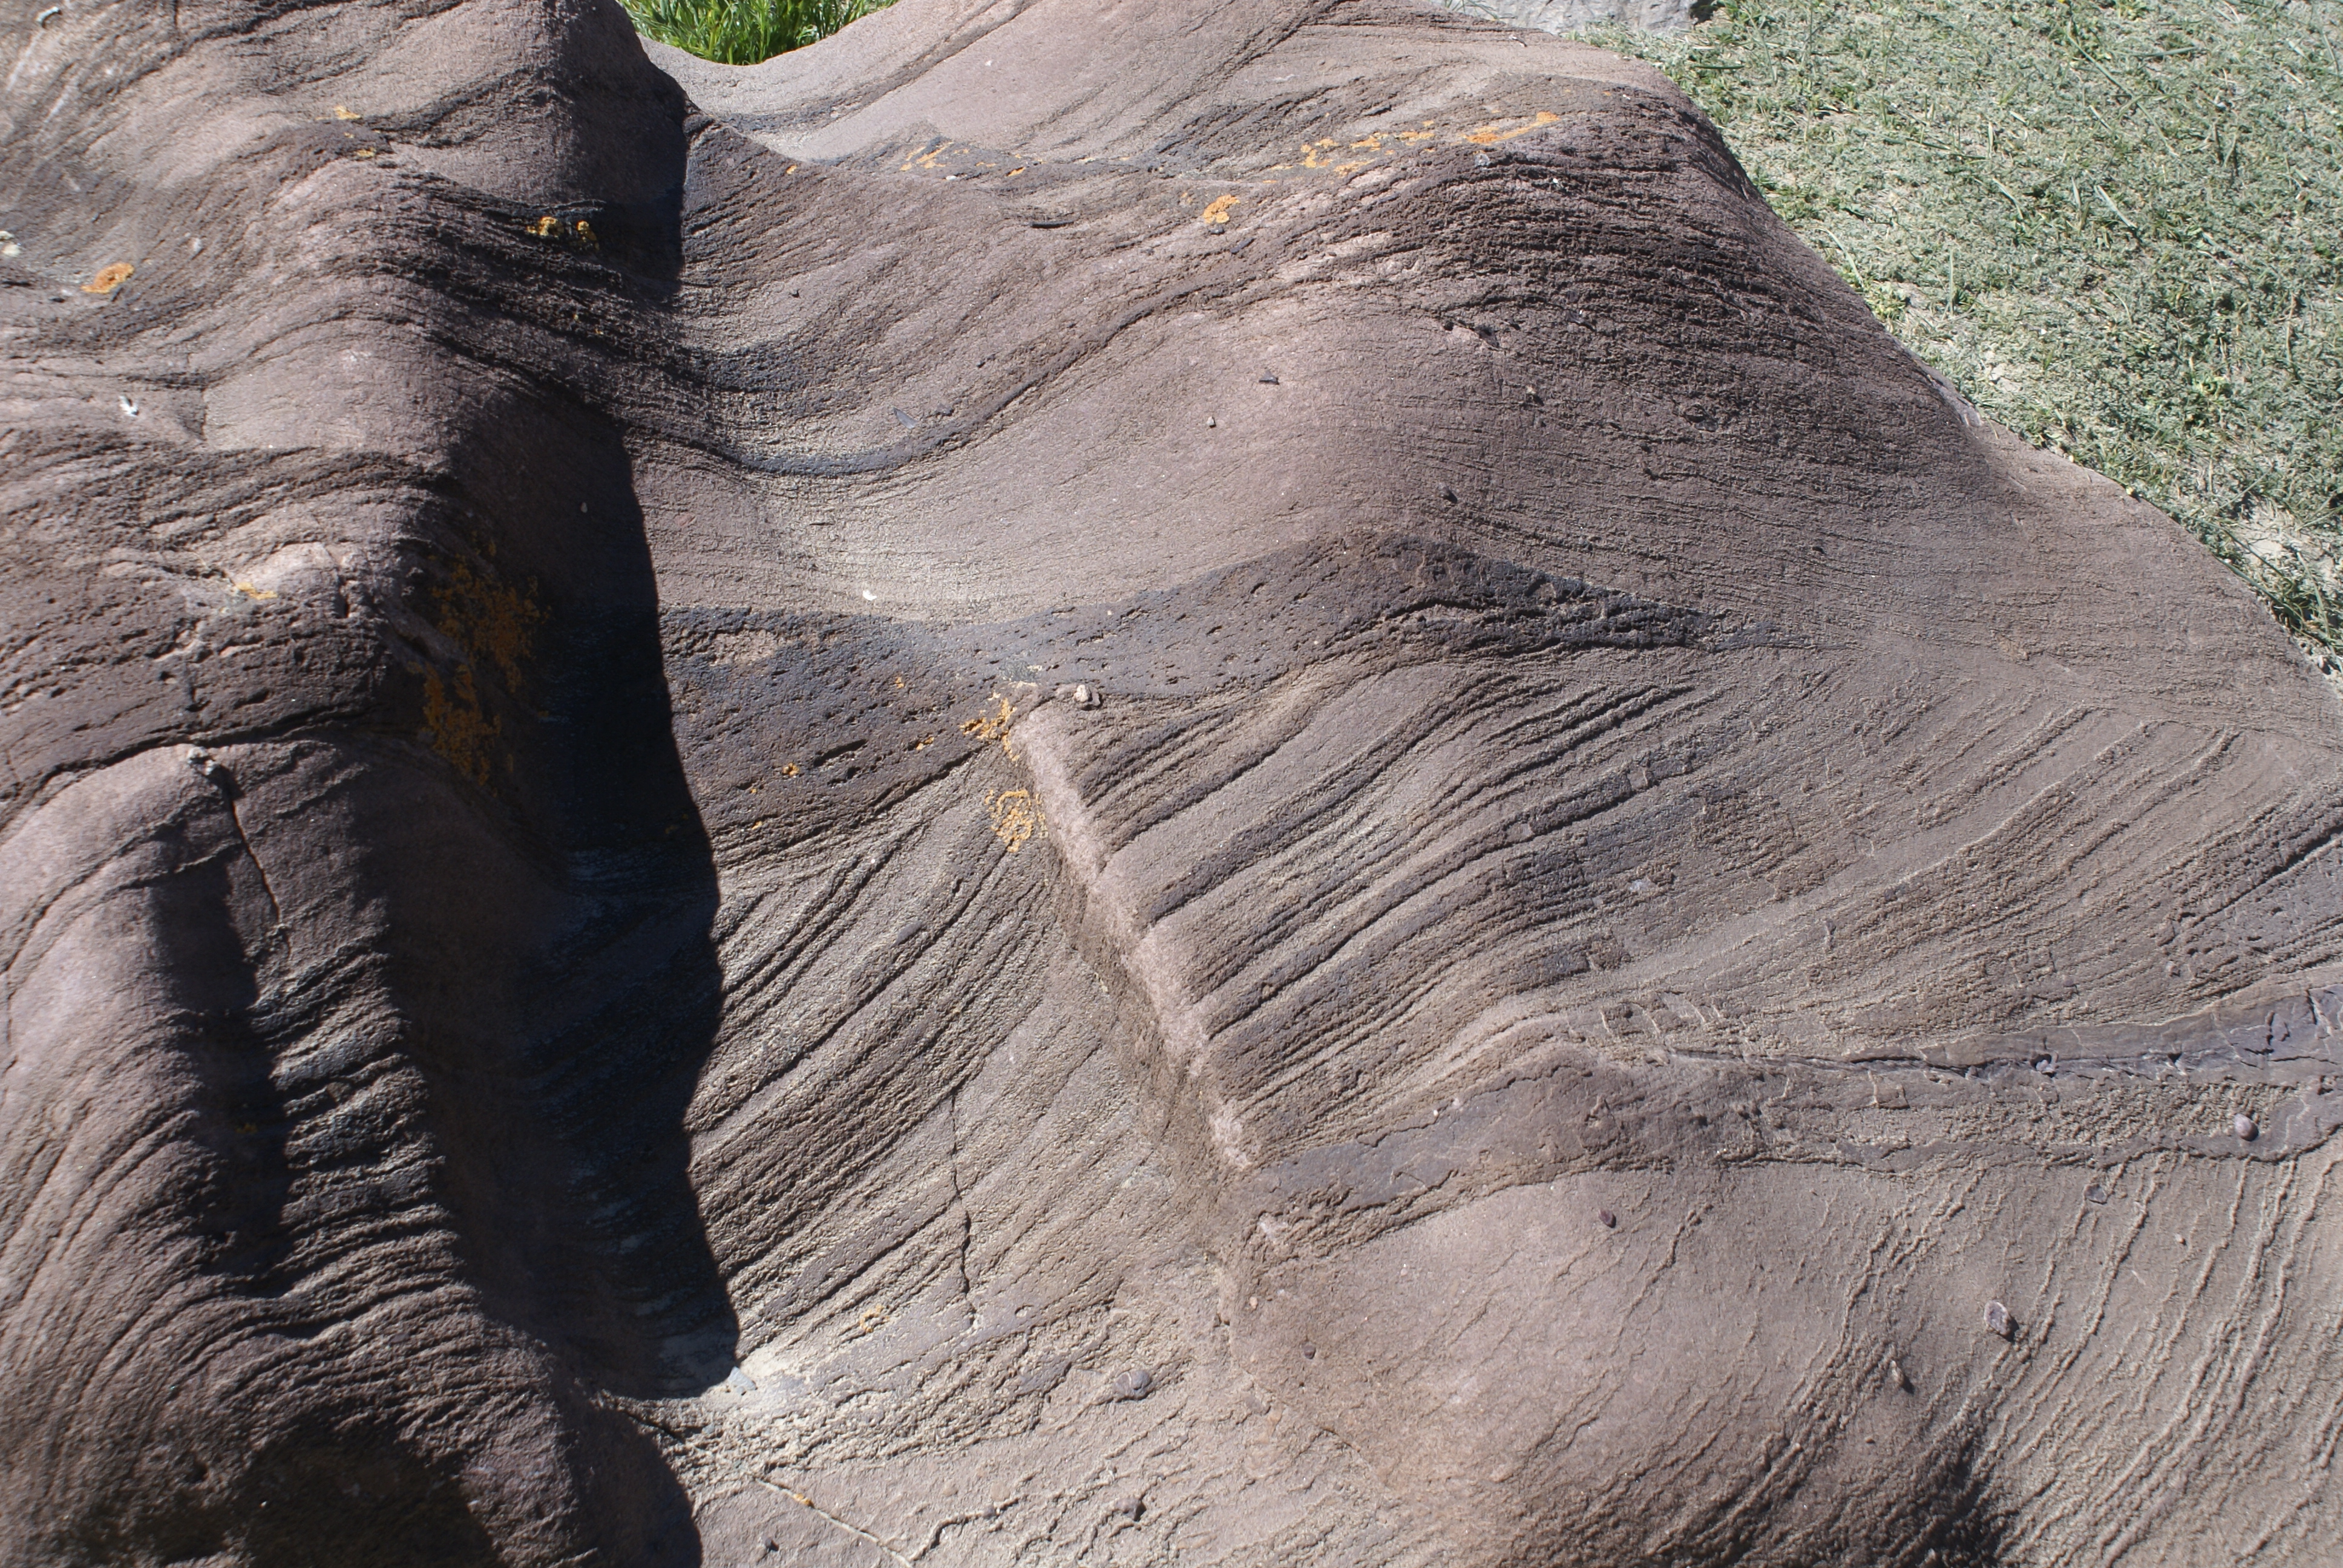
column 2245, row 1129
column 2096, row 1193
column 1136, row 1383
column 1610, row 1221
column 1998, row 1321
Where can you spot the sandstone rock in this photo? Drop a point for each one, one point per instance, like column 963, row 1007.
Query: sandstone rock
column 1571, row 16
column 542, row 862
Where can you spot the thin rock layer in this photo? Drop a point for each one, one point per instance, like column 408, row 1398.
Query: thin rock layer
column 1095, row 783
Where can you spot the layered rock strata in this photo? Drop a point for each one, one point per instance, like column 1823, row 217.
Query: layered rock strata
column 1223, row 779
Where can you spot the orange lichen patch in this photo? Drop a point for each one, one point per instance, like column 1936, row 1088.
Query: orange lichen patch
column 108, row 278
column 927, row 160
column 1219, row 211
column 994, row 727
column 248, row 591
column 457, row 726
column 344, row 112
column 489, row 620
column 363, row 152
column 1489, row 136
column 491, row 624
column 1016, row 817
column 788, row 770
column 1322, row 154
column 586, row 237
column 546, row 227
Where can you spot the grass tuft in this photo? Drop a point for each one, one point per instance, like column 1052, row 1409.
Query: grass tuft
column 743, row 32
column 2115, row 225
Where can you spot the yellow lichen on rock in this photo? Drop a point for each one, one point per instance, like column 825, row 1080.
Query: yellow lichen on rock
column 491, row 623
column 457, row 726
column 488, row 619
column 1016, row 817
column 994, row 727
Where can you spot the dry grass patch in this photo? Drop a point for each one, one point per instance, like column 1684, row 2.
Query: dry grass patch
column 2117, row 227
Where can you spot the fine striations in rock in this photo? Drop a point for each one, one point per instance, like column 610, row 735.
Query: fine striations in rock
column 1222, row 780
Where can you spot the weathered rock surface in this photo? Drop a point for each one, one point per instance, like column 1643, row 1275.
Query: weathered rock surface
column 1233, row 774
column 1571, row 16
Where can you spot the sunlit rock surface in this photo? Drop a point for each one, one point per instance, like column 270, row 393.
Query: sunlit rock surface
column 1097, row 783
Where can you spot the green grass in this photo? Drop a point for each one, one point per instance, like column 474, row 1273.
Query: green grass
column 743, row 32
column 2117, row 227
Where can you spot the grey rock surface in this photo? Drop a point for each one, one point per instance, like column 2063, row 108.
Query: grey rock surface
column 1219, row 781
column 1571, row 16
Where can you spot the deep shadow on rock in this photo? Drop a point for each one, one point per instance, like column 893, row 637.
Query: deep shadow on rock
column 1234, row 775
column 360, row 963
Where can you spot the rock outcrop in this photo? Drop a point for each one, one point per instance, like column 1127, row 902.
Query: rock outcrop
column 1226, row 779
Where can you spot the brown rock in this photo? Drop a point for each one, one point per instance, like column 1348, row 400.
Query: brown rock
column 540, row 862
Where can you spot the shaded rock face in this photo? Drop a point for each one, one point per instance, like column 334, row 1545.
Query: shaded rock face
column 1096, row 783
